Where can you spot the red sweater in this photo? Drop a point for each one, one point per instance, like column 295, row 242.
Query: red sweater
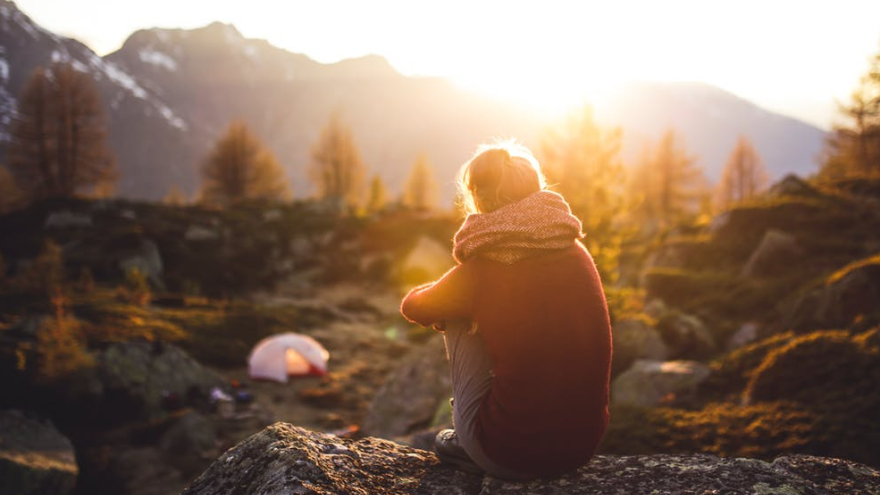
column 545, row 324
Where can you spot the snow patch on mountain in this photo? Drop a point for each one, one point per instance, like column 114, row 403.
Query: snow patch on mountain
column 157, row 58
column 7, row 113
column 63, row 57
column 122, row 78
column 4, row 70
column 100, row 67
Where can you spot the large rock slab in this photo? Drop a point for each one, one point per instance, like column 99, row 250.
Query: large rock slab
column 634, row 339
column 686, row 335
column 648, row 383
column 283, row 460
column 774, row 255
column 848, row 298
column 135, row 380
column 408, row 400
column 35, row 458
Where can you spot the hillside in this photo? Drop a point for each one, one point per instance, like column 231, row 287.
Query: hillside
column 710, row 120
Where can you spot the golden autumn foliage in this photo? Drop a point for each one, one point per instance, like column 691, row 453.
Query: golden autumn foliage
column 669, row 181
column 853, row 147
column 337, row 169
column 57, row 143
column 241, row 168
column 743, row 177
column 377, row 198
column 420, row 190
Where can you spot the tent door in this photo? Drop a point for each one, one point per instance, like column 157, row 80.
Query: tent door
column 296, row 364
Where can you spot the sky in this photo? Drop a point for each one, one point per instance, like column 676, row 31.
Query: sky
column 795, row 57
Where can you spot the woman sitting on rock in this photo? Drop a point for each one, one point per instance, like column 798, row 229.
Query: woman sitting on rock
column 526, row 325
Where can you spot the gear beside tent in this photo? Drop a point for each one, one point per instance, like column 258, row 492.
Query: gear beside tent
column 287, row 354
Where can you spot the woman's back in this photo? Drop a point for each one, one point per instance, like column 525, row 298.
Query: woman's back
column 545, row 324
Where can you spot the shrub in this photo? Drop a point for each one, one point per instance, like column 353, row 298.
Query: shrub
column 60, row 347
column 135, row 289
column 86, row 282
column 45, row 274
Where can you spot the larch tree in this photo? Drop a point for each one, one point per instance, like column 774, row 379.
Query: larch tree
column 672, row 184
column 337, row 169
column 57, row 143
column 420, row 191
column 581, row 160
column 853, row 148
column 743, row 177
column 175, row 196
column 9, row 194
column 378, row 195
column 241, row 168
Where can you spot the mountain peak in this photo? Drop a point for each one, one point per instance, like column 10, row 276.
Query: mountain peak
column 227, row 30
column 371, row 66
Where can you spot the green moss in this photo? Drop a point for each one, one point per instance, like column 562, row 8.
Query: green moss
column 827, row 370
column 731, row 373
column 873, row 262
column 761, row 431
column 678, row 287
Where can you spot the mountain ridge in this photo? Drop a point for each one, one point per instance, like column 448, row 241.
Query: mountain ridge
column 170, row 93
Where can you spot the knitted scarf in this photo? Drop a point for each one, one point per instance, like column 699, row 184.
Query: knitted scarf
column 538, row 223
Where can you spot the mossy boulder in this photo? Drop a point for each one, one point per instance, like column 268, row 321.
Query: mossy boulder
column 139, row 381
column 35, row 458
column 762, row 430
column 634, row 339
column 847, row 297
column 774, row 255
column 826, row 370
column 833, row 374
column 731, row 372
column 648, row 383
column 686, row 335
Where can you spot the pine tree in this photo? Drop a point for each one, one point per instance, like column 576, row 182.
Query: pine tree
column 337, row 169
column 672, row 183
column 420, row 190
column 378, row 196
column 57, row 141
column 744, row 175
column 853, row 149
column 241, row 168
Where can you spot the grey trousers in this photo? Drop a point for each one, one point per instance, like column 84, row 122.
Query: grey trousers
column 471, row 378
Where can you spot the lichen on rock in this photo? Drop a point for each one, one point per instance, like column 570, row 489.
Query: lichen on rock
column 284, row 459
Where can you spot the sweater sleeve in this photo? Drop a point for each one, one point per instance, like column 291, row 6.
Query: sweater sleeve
column 449, row 298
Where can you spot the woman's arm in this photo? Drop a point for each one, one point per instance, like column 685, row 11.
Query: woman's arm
column 449, row 298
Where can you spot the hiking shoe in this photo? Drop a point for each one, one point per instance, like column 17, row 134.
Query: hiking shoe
column 450, row 451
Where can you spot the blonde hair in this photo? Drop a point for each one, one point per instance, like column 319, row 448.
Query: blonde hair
column 498, row 174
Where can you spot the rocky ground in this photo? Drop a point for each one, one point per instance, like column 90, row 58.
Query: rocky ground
column 283, row 459
column 756, row 335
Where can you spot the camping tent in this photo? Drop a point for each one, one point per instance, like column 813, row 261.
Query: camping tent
column 285, row 354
